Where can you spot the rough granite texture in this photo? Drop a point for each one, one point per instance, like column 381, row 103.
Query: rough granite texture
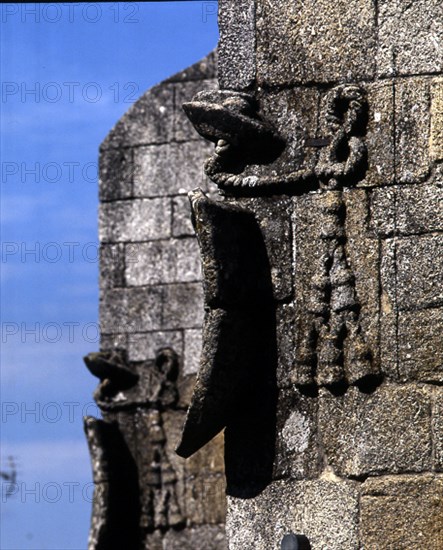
column 352, row 453
column 150, row 291
column 372, row 450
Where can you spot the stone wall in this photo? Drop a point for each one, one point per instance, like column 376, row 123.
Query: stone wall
column 323, row 353
column 151, row 300
column 358, row 453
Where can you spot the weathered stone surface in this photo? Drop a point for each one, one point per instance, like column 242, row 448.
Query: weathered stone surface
column 419, row 284
column 297, row 452
column 437, row 427
column 185, row 91
column 419, row 209
column 407, row 210
column 402, row 513
column 388, row 309
column 149, row 120
column 436, row 143
column 143, row 346
column 113, row 341
column 209, row 537
column 169, row 261
column 113, row 311
column 121, row 221
column 193, row 348
column 183, row 306
column 388, row 431
column 380, row 139
column 412, row 129
column 325, row 511
column 236, row 62
column 294, row 113
column 420, row 345
column 204, row 69
column 315, row 41
column 116, row 174
column 130, row 310
column 409, row 37
column 181, row 217
column 285, row 321
column 112, row 265
column 383, row 211
column 274, row 218
column 170, row 169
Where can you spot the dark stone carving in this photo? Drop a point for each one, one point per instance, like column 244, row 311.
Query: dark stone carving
column 135, row 482
column 235, row 388
column 236, row 385
column 344, row 116
column 242, row 138
column 331, row 348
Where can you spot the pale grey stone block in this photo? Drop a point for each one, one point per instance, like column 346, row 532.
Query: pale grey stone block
column 130, row 310
column 112, row 265
column 144, row 346
column 237, row 44
column 410, row 37
column 181, row 217
column 170, row 169
column 192, row 353
column 388, row 431
column 324, row 510
column 315, row 41
column 135, row 220
column 168, row 261
column 116, row 174
column 183, row 306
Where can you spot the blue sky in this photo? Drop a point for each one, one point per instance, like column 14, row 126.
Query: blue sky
column 68, row 74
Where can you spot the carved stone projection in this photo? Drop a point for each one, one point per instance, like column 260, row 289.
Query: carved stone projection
column 151, row 300
column 323, row 268
column 135, row 471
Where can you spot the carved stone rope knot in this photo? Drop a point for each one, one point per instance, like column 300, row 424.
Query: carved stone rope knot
column 331, row 347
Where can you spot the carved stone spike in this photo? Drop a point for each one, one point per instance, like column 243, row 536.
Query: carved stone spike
column 238, row 294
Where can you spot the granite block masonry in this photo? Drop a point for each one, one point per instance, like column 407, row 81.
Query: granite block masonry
column 321, row 304
column 151, row 315
column 327, row 134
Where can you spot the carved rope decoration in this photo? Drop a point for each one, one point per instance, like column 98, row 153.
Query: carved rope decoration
column 232, row 122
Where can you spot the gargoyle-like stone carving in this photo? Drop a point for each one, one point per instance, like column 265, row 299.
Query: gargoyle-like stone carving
column 331, row 347
column 235, row 387
column 242, row 138
column 133, row 469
